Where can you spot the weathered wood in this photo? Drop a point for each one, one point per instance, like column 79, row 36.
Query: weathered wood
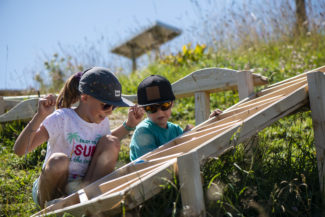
column 321, row 69
column 213, row 137
column 202, row 106
column 104, row 187
column 2, row 105
column 132, row 196
column 23, row 110
column 277, row 87
column 245, row 84
column 316, row 83
column 191, row 185
column 254, row 123
column 211, row 80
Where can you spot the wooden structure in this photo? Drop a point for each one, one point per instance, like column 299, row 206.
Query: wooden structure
column 149, row 39
column 201, row 82
column 136, row 182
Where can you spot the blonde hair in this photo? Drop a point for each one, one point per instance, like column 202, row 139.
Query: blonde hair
column 69, row 94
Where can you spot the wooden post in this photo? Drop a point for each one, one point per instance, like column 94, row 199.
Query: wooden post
column 191, row 185
column 316, row 86
column 245, row 84
column 202, row 107
column 2, row 105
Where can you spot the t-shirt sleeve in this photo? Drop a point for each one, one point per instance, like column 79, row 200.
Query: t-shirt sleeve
column 142, row 142
column 52, row 124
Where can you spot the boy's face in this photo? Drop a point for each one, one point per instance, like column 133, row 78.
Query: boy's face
column 161, row 116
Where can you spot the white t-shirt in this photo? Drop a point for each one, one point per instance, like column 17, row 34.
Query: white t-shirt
column 71, row 135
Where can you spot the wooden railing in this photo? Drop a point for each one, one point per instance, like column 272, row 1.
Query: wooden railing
column 199, row 84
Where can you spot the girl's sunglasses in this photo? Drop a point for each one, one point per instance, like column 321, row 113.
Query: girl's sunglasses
column 154, row 108
column 106, row 107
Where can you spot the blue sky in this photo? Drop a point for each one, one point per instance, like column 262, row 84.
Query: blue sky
column 34, row 28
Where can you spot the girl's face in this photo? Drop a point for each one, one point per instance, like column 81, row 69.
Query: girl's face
column 94, row 111
column 160, row 117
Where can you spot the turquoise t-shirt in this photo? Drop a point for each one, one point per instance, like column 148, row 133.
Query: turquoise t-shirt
column 149, row 136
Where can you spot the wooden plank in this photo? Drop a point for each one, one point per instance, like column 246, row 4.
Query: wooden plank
column 316, row 83
column 82, row 196
column 302, row 80
column 202, row 106
column 134, row 195
column 255, row 123
column 287, row 89
column 23, row 110
column 93, row 190
column 106, row 186
column 245, row 84
column 190, row 184
column 321, row 69
column 2, row 105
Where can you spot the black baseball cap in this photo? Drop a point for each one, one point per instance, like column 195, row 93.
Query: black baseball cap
column 103, row 85
column 155, row 89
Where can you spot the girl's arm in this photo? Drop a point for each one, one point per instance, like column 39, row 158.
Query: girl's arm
column 33, row 135
column 134, row 117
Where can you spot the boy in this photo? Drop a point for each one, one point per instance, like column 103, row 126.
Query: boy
column 156, row 97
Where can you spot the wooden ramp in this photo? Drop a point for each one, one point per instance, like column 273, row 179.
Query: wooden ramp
column 134, row 183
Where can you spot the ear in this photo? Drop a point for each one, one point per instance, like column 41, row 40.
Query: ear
column 84, row 97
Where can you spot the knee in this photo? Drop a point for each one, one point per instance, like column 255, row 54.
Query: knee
column 109, row 142
column 58, row 164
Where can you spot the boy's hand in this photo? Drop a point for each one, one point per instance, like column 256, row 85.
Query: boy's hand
column 46, row 105
column 135, row 116
column 215, row 113
column 188, row 127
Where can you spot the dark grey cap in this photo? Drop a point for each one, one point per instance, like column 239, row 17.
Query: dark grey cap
column 103, row 85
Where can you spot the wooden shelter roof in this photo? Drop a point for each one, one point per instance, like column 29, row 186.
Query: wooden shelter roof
column 149, row 39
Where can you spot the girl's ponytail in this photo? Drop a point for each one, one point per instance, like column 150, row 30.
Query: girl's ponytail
column 69, row 94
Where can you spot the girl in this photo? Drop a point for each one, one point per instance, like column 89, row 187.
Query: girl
column 80, row 146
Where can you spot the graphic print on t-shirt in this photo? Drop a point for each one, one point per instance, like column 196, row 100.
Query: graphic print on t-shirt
column 82, row 149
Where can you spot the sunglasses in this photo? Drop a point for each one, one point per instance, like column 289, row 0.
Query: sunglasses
column 154, row 108
column 106, row 107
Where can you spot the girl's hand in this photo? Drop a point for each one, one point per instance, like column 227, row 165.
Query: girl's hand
column 46, row 105
column 134, row 116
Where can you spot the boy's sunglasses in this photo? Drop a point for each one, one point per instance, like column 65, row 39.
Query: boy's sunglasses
column 154, row 108
column 106, row 107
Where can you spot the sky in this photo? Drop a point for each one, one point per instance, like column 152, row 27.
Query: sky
column 33, row 29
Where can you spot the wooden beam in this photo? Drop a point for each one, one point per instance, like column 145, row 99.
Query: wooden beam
column 2, row 105
column 191, row 184
column 245, row 84
column 23, row 110
column 202, row 106
column 316, row 83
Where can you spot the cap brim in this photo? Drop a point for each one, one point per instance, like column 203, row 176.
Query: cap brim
column 123, row 103
column 154, row 103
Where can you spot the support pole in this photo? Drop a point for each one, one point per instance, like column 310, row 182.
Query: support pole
column 245, row 84
column 316, row 89
column 202, row 107
column 191, row 185
column 2, row 105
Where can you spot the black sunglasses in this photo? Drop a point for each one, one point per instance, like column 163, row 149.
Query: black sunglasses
column 154, row 108
column 106, row 107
